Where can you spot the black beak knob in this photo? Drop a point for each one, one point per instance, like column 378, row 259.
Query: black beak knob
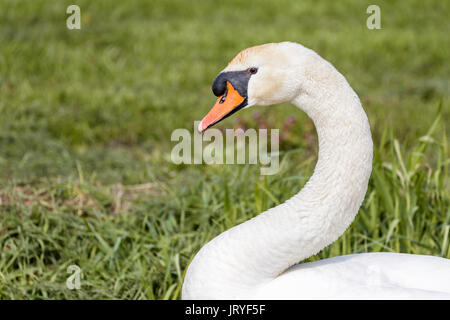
column 219, row 85
column 238, row 79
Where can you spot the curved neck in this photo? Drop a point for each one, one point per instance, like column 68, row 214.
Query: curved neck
column 249, row 255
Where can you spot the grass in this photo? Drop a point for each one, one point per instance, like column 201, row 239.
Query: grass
column 86, row 118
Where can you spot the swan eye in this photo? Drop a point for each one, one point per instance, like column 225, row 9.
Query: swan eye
column 252, row 70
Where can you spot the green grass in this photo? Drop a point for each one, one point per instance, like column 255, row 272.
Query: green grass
column 86, row 118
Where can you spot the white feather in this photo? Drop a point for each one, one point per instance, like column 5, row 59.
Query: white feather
column 253, row 260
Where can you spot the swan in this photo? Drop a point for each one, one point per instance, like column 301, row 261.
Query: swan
column 256, row 259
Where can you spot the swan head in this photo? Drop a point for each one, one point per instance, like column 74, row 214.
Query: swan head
column 261, row 75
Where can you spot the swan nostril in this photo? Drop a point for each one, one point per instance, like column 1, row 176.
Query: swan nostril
column 222, row 100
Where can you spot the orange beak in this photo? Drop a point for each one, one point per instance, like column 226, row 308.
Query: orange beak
column 225, row 106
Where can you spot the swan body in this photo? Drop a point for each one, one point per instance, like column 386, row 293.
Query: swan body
column 255, row 260
column 380, row 275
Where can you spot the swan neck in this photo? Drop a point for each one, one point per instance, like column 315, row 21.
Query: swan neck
column 244, row 258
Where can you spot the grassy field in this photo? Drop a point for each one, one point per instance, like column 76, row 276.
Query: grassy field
column 86, row 117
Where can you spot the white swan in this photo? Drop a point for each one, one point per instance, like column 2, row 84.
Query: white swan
column 253, row 260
